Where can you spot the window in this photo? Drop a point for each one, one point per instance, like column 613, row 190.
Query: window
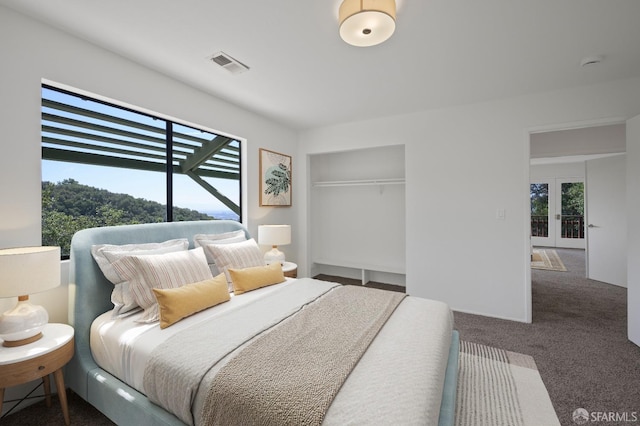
column 103, row 164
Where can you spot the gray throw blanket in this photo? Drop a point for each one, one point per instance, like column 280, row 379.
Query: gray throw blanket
column 291, row 374
column 186, row 362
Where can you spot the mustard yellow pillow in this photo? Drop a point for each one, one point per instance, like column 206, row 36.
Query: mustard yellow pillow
column 175, row 304
column 248, row 279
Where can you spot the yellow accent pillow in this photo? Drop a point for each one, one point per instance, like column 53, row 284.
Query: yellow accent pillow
column 175, row 304
column 252, row 278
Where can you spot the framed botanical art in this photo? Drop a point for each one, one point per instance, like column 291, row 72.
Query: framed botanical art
column 275, row 179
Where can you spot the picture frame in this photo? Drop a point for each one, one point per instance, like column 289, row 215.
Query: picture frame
column 275, row 179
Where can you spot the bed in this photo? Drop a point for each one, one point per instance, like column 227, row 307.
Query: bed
column 388, row 380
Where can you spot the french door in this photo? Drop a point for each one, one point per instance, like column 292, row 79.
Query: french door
column 557, row 212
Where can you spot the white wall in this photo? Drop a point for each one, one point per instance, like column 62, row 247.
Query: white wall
column 633, row 228
column 557, row 170
column 462, row 165
column 31, row 52
column 582, row 141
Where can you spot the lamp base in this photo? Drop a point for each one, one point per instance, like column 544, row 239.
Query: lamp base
column 14, row 343
column 23, row 324
column 274, row 255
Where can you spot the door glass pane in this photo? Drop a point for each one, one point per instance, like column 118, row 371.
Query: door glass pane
column 539, row 209
column 572, row 218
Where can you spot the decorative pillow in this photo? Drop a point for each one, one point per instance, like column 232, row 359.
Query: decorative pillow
column 235, row 255
column 201, row 240
column 106, row 254
column 175, row 304
column 248, row 279
column 170, row 270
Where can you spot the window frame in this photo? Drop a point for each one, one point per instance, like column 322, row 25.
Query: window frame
column 171, row 161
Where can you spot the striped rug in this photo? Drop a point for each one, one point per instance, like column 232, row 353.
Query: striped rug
column 546, row 259
column 500, row 388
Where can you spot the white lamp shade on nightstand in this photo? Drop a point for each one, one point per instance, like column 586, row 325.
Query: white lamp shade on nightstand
column 274, row 236
column 24, row 271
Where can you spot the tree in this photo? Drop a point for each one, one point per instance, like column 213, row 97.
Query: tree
column 539, row 199
column 69, row 206
column 573, row 199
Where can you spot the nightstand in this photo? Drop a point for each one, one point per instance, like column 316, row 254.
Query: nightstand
column 290, row 269
column 22, row 364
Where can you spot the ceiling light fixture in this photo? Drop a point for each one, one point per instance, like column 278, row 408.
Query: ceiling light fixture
column 367, row 22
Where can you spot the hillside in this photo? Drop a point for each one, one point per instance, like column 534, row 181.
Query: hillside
column 69, row 206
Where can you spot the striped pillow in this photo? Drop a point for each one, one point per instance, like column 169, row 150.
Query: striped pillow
column 245, row 254
column 170, row 270
column 202, row 240
column 106, row 254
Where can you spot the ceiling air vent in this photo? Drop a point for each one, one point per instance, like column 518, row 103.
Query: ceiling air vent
column 227, row 62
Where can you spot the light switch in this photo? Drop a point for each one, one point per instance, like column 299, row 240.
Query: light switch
column 500, row 214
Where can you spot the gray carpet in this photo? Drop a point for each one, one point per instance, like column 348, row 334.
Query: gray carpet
column 578, row 340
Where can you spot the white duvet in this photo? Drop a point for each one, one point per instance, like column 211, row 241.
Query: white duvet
column 400, row 377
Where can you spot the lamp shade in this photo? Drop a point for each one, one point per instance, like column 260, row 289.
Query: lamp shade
column 28, row 270
column 274, row 235
column 367, row 22
column 24, row 271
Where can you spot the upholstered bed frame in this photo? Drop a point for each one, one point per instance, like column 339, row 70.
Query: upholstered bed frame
column 90, row 296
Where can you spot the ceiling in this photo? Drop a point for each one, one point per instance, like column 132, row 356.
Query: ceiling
column 443, row 53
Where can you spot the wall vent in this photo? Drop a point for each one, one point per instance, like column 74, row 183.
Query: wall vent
column 227, row 62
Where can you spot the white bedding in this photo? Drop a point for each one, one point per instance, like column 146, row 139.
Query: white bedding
column 400, row 376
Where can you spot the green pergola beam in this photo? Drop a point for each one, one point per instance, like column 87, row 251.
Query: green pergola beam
column 213, row 191
column 135, row 145
column 55, row 154
column 113, row 119
column 204, row 153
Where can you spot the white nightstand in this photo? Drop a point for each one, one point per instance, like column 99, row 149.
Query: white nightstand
column 22, row 364
column 290, row 269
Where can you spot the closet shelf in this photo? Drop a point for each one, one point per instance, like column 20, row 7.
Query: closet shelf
column 392, row 269
column 363, row 182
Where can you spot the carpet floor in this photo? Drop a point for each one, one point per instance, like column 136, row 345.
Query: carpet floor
column 578, row 340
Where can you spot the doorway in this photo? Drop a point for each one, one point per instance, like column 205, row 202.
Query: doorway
column 560, row 151
column 557, row 212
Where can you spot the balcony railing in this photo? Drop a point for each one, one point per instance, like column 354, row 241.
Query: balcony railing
column 539, row 226
column 571, row 226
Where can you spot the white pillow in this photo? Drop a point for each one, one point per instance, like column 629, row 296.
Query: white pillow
column 106, row 254
column 170, row 270
column 201, row 240
column 241, row 255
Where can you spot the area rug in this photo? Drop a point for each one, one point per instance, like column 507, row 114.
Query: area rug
column 500, row 388
column 547, row 259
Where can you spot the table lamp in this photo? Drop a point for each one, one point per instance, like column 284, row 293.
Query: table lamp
column 274, row 236
column 24, row 271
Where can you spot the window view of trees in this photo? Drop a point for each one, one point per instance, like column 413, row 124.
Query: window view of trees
column 104, row 165
column 539, row 210
column 573, row 199
column 571, row 210
column 69, row 206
